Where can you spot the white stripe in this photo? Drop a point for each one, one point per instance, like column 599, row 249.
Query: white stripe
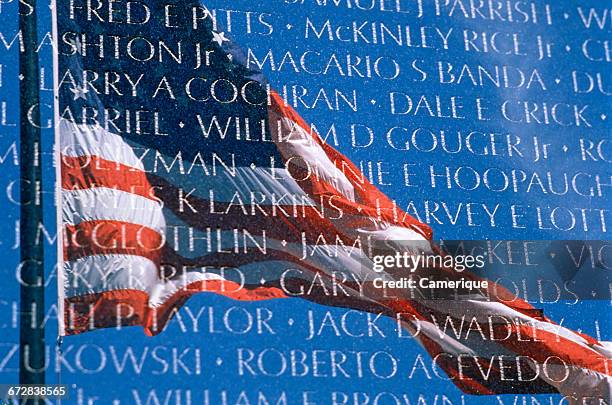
column 604, row 348
column 262, row 182
column 163, row 291
column 99, row 273
column 92, row 140
column 259, row 181
column 297, row 142
column 585, row 386
column 481, row 310
column 111, row 205
column 449, row 344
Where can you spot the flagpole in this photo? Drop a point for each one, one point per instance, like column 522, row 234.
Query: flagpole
column 32, row 299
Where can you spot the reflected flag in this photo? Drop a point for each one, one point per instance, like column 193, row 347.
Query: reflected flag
column 182, row 171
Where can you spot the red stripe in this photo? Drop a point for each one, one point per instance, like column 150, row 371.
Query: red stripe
column 105, row 310
column 111, row 237
column 121, row 308
column 86, row 172
column 159, row 316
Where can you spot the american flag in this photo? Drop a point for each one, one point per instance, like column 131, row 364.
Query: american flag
column 182, row 171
